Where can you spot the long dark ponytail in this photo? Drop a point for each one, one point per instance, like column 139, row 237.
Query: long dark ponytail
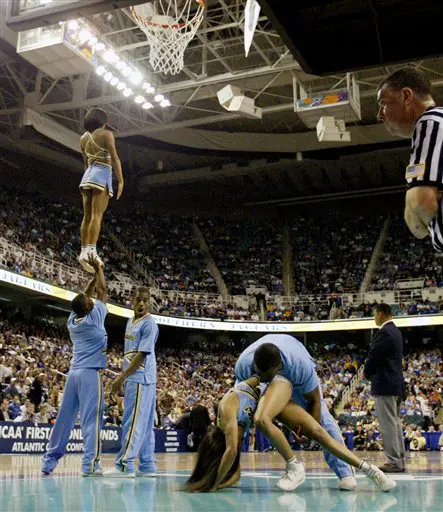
column 209, row 455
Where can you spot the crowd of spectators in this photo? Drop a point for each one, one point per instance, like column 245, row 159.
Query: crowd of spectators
column 35, row 358
column 248, row 254
column 166, row 248
column 406, row 258
column 330, row 259
column 41, row 353
column 366, row 435
column 423, row 373
column 330, row 255
column 195, row 305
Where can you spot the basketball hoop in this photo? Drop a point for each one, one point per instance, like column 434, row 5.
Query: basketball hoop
column 169, row 26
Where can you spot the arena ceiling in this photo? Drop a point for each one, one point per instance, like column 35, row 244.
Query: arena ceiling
column 167, row 148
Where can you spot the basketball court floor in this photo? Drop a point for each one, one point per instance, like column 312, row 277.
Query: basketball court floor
column 22, row 488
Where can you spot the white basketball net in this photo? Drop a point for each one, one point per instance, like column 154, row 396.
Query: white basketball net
column 169, row 26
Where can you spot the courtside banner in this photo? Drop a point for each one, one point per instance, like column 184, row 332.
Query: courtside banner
column 214, row 325
column 26, row 438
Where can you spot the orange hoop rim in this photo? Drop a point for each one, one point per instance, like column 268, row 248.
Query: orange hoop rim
column 145, row 22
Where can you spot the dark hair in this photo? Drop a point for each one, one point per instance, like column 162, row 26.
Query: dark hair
column 210, row 453
column 408, row 77
column 142, row 289
column 94, row 119
column 267, row 356
column 384, row 309
column 78, row 305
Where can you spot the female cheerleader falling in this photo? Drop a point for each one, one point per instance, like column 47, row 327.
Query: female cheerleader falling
column 218, row 458
column 100, row 157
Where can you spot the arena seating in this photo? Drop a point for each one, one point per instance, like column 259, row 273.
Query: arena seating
column 329, row 256
column 247, row 253
column 404, row 257
column 423, row 375
column 187, row 376
column 332, row 254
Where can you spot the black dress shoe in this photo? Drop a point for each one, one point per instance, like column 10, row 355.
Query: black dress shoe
column 390, row 468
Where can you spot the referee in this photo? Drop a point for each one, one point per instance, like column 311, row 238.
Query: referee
column 383, row 368
column 408, row 109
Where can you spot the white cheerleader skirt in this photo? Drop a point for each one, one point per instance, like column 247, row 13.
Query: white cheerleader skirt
column 98, row 176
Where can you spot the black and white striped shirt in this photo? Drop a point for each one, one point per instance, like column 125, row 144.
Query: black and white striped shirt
column 426, row 162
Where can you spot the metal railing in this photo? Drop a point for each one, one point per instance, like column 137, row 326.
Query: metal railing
column 77, row 278
column 349, row 389
column 36, row 261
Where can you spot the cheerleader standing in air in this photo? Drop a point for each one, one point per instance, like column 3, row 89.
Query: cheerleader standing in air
column 100, row 157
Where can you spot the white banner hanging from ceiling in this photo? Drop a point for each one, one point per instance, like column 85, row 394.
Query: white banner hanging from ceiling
column 252, row 13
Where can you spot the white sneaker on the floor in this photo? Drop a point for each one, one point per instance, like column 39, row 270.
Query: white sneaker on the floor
column 97, row 472
column 384, row 482
column 144, row 474
column 348, row 483
column 115, row 473
column 292, row 477
column 83, row 260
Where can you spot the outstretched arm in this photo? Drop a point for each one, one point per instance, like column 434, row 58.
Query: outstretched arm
column 231, row 436
column 116, row 163
column 100, row 283
column 232, row 481
column 90, row 287
column 82, row 147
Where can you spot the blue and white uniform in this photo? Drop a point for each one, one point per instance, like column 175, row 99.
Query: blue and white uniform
column 98, row 175
column 138, row 437
column 299, row 371
column 83, row 390
column 248, row 397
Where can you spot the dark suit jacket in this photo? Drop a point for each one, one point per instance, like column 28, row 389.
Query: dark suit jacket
column 383, row 367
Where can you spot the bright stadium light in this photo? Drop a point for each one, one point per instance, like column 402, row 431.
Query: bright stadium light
column 115, row 81
column 101, row 70
column 121, row 86
column 165, row 103
column 121, row 65
column 84, row 35
column 159, row 98
column 149, row 88
column 72, row 25
column 110, row 56
column 126, row 71
column 100, row 46
column 139, row 99
column 127, row 92
column 147, row 105
column 108, row 76
column 136, row 78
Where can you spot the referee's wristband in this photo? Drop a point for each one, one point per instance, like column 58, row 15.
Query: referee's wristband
column 256, row 376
